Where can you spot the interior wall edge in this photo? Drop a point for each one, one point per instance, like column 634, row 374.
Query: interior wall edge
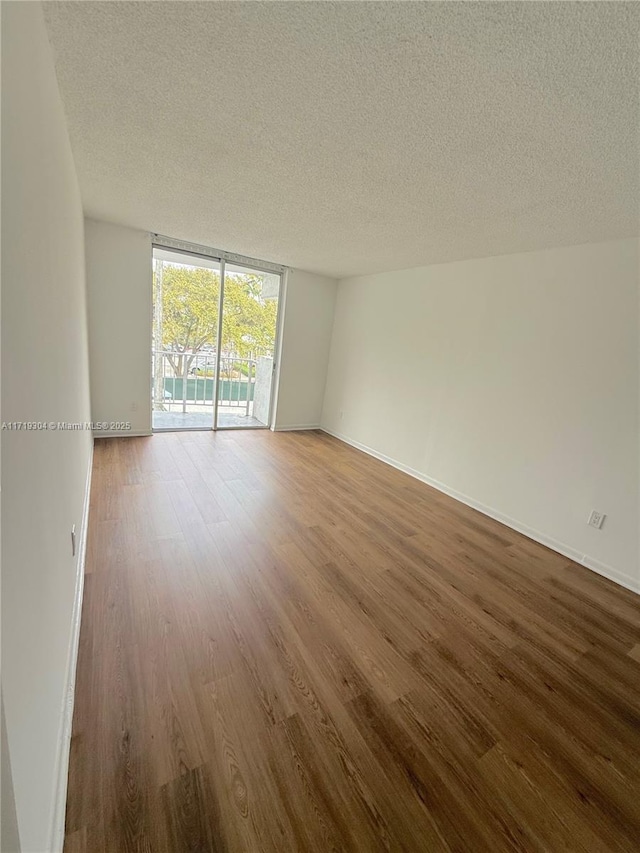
column 627, row 581
column 64, row 740
column 9, row 832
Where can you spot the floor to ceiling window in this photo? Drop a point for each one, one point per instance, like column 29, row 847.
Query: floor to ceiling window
column 215, row 324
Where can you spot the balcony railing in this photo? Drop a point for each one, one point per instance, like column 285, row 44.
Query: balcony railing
column 184, row 381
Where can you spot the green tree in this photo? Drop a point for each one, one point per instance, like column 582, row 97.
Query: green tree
column 189, row 313
column 249, row 321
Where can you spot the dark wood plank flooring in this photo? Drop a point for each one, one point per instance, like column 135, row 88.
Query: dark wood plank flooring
column 289, row 646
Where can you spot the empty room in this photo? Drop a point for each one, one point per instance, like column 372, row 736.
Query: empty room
column 320, row 448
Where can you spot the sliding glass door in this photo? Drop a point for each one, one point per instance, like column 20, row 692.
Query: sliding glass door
column 247, row 351
column 186, row 304
column 214, row 342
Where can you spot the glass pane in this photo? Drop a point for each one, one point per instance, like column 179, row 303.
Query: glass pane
column 186, row 291
column 249, row 319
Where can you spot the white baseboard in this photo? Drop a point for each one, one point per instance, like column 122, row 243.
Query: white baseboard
column 64, row 740
column 121, row 434
column 293, row 427
column 624, row 580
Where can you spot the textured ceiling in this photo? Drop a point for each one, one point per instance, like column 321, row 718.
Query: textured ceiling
column 355, row 137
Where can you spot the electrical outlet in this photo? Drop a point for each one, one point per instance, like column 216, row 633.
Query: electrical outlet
column 596, row 518
column 73, row 540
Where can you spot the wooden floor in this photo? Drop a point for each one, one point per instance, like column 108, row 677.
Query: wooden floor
column 289, row 646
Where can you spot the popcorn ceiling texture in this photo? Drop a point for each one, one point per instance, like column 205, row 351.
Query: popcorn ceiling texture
column 348, row 138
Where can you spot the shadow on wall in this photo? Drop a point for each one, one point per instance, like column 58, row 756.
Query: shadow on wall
column 9, row 840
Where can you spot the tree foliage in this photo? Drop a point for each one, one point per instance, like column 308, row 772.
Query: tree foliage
column 190, row 313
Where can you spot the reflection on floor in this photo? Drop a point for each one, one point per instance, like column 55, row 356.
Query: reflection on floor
column 202, row 420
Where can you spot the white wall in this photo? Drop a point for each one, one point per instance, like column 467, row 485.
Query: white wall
column 119, row 306
column 511, row 381
column 119, row 310
column 44, row 473
column 306, row 340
